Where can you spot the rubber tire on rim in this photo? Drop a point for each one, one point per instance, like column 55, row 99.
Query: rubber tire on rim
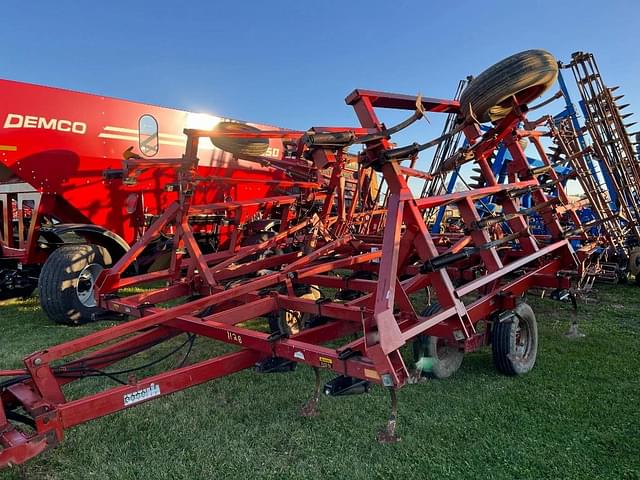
column 527, row 75
column 634, row 264
column 427, row 345
column 503, row 342
column 240, row 147
column 59, row 279
column 292, row 322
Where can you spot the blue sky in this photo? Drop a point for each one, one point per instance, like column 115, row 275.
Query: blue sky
column 291, row 63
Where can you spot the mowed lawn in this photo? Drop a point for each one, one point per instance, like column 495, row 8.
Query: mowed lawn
column 576, row 415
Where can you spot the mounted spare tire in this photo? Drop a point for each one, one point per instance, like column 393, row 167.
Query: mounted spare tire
column 525, row 75
column 240, row 147
column 66, row 283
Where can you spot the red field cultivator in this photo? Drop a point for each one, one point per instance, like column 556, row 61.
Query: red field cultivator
column 336, row 284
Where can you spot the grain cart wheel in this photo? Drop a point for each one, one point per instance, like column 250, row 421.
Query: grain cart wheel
column 240, row 147
column 438, row 357
column 67, row 280
column 515, row 342
column 527, row 75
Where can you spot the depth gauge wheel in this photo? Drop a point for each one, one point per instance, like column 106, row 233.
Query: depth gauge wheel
column 67, row 283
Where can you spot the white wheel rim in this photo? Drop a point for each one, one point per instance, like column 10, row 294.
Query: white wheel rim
column 86, row 283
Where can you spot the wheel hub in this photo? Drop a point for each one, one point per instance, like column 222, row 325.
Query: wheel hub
column 86, row 283
column 523, row 340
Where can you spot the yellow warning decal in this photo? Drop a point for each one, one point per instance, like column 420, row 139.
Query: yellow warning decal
column 371, row 374
column 8, row 148
column 326, row 362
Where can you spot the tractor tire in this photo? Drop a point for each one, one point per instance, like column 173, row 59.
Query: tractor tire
column 66, row 283
column 515, row 343
column 239, row 147
column 525, row 75
column 446, row 356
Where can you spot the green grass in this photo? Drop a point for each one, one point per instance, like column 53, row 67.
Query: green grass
column 576, row 415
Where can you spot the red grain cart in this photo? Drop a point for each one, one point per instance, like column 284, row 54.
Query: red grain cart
column 57, row 203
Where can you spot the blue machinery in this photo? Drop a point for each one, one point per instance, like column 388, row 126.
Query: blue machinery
column 607, row 170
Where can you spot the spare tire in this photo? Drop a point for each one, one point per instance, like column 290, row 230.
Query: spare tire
column 240, row 147
column 525, row 75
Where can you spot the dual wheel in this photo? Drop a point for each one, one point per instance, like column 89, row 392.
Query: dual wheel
column 514, row 344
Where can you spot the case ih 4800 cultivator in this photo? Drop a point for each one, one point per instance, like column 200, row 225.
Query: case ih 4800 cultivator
column 343, row 266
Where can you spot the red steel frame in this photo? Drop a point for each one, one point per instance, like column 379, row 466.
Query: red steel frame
column 392, row 241
column 60, row 170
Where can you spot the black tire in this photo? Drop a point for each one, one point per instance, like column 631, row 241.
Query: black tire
column 515, row 342
column 527, row 75
column 64, row 296
column 290, row 322
column 240, row 147
column 633, row 266
column 446, row 355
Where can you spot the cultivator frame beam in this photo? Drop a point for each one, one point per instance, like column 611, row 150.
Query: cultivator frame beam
column 220, row 291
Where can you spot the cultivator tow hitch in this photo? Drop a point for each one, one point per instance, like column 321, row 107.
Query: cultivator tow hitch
column 367, row 251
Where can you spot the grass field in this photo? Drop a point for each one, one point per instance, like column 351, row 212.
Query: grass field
column 576, row 415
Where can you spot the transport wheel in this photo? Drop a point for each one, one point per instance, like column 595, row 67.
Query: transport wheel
column 239, row 146
column 441, row 357
column 634, row 264
column 527, row 75
column 67, row 281
column 515, row 342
